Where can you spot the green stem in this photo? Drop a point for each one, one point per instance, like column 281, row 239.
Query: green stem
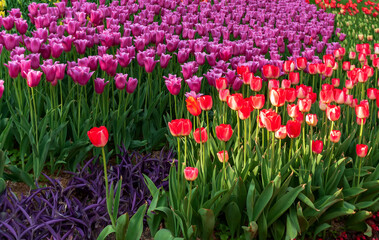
column 245, row 143
column 35, row 117
column 189, row 204
column 257, row 128
column 107, row 187
column 179, row 163
column 224, row 165
column 273, row 162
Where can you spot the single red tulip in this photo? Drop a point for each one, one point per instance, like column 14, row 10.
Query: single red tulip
column 235, row 101
column 294, row 77
column 288, row 66
column 205, row 102
column 190, row 173
column 98, row 136
column 193, row 106
column 362, row 150
column 362, row 110
column 247, row 77
column 242, row 69
column 270, row 72
column 333, row 112
column 304, row 105
column 293, row 128
column 224, row 132
column 335, row 136
column 293, row 110
column 346, row 66
column 286, row 84
column 301, row 63
column 204, row 135
column 221, row 155
column 221, row 83
column 281, row 133
column 256, row 84
column 271, row 120
column 180, row 127
column 317, row 146
column 223, row 95
column 290, row 95
column 257, row 101
column 312, row 69
column 311, row 119
column 339, row 96
column 244, row 112
column 277, row 97
column 372, row 93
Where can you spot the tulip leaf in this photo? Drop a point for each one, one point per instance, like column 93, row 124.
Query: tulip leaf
column 320, row 229
column 283, row 204
column 233, row 217
column 106, row 231
column 250, row 201
column 122, row 226
column 262, row 201
column 135, row 227
column 208, row 222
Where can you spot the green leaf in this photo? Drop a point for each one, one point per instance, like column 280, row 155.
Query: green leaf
column 307, row 201
column 208, row 222
column 320, row 229
column 150, row 185
column 163, row 234
column 233, row 217
column 366, row 204
column 2, row 185
column 122, row 226
column 250, row 231
column 283, row 204
column 250, row 200
column 136, row 224
column 117, row 199
column 262, row 201
column 352, row 192
column 106, row 231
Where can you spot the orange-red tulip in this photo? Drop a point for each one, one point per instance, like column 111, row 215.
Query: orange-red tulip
column 98, row 136
column 193, row 106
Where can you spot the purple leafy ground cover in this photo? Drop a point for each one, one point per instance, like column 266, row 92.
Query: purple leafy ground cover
column 78, row 211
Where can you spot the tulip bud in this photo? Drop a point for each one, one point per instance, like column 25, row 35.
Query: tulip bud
column 224, row 94
column 204, row 136
column 317, row 146
column 98, row 136
column 281, row 133
column 190, row 173
column 223, row 156
column 311, row 119
column 362, row 150
column 335, row 136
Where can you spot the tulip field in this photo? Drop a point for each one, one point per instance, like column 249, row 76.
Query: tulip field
column 189, row 119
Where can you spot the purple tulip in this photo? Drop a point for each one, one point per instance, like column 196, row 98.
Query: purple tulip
column 183, row 55
column 226, row 53
column 131, row 85
column 80, row 75
column 108, row 64
column 45, row 51
column 59, row 70
column 188, row 69
column 35, row 60
column 13, row 68
column 49, row 71
column 100, row 85
column 120, row 80
column 56, row 49
column 33, row 78
column 21, row 26
column 81, row 45
column 67, row 43
column 173, row 84
column 8, row 22
column 1, row 88
column 194, row 83
column 200, row 57
column 211, row 58
column 92, row 62
column 149, row 63
column 11, row 41
column 25, row 66
column 123, row 59
column 165, row 59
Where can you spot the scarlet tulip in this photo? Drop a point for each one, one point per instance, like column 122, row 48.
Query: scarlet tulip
column 180, row 127
column 335, row 136
column 244, row 112
column 362, row 110
column 294, row 77
column 317, row 146
column 190, row 173
column 311, row 119
column 221, row 83
column 346, row 66
column 288, row 66
column 257, row 101
column 223, row 156
column 204, row 135
column 333, row 112
column 290, row 95
column 304, row 105
column 371, row 93
column 312, row 68
column 235, row 101
column 193, row 106
column 339, row 96
column 247, row 77
column 277, row 97
column 224, row 132
column 223, row 95
column 293, row 110
column 286, row 84
column 281, row 133
column 256, row 84
column 98, row 136
column 301, row 63
column 335, row 82
column 242, row 69
column 270, row 72
column 271, row 120
column 362, row 150
column 205, row 102
column 293, row 128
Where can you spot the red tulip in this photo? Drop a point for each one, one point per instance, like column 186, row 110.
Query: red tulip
column 277, row 97
column 281, row 133
column 311, row 119
column 339, row 96
column 312, row 68
column 221, row 155
column 362, row 110
column 270, row 119
column 223, row 95
column 326, row 96
column 221, row 83
column 244, row 112
column 193, row 106
column 290, row 95
column 335, row 82
column 257, row 101
column 273, row 83
column 180, row 127
column 361, row 121
column 224, row 132
column 317, row 146
column 293, row 110
column 321, row 68
column 301, row 63
column 190, row 173
column 235, row 101
column 346, row 66
column 335, row 136
column 242, row 69
column 205, row 102
column 286, row 84
column 204, row 135
column 362, row 150
column 293, row 128
column 333, row 112
column 294, row 77
column 352, row 55
column 301, row 91
column 288, row 66
column 304, row 105
column 328, row 60
column 256, row 84
column 371, row 93
column 98, row 136
column 270, row 72
column 247, row 77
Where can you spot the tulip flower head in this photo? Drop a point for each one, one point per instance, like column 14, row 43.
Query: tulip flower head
column 190, row 173
column 270, row 119
column 311, row 119
column 333, row 112
column 335, row 136
column 205, row 102
column 224, row 132
column 98, row 136
column 1, row 88
column 293, row 128
column 281, row 133
column 223, row 156
column 317, row 146
column 193, row 106
column 362, row 150
column 33, row 78
column 204, row 136
column 180, row 127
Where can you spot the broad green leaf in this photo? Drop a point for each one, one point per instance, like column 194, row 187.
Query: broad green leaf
column 320, row 229
column 106, row 231
column 233, row 217
column 250, row 200
column 136, row 224
column 262, row 201
column 122, row 226
column 208, row 222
